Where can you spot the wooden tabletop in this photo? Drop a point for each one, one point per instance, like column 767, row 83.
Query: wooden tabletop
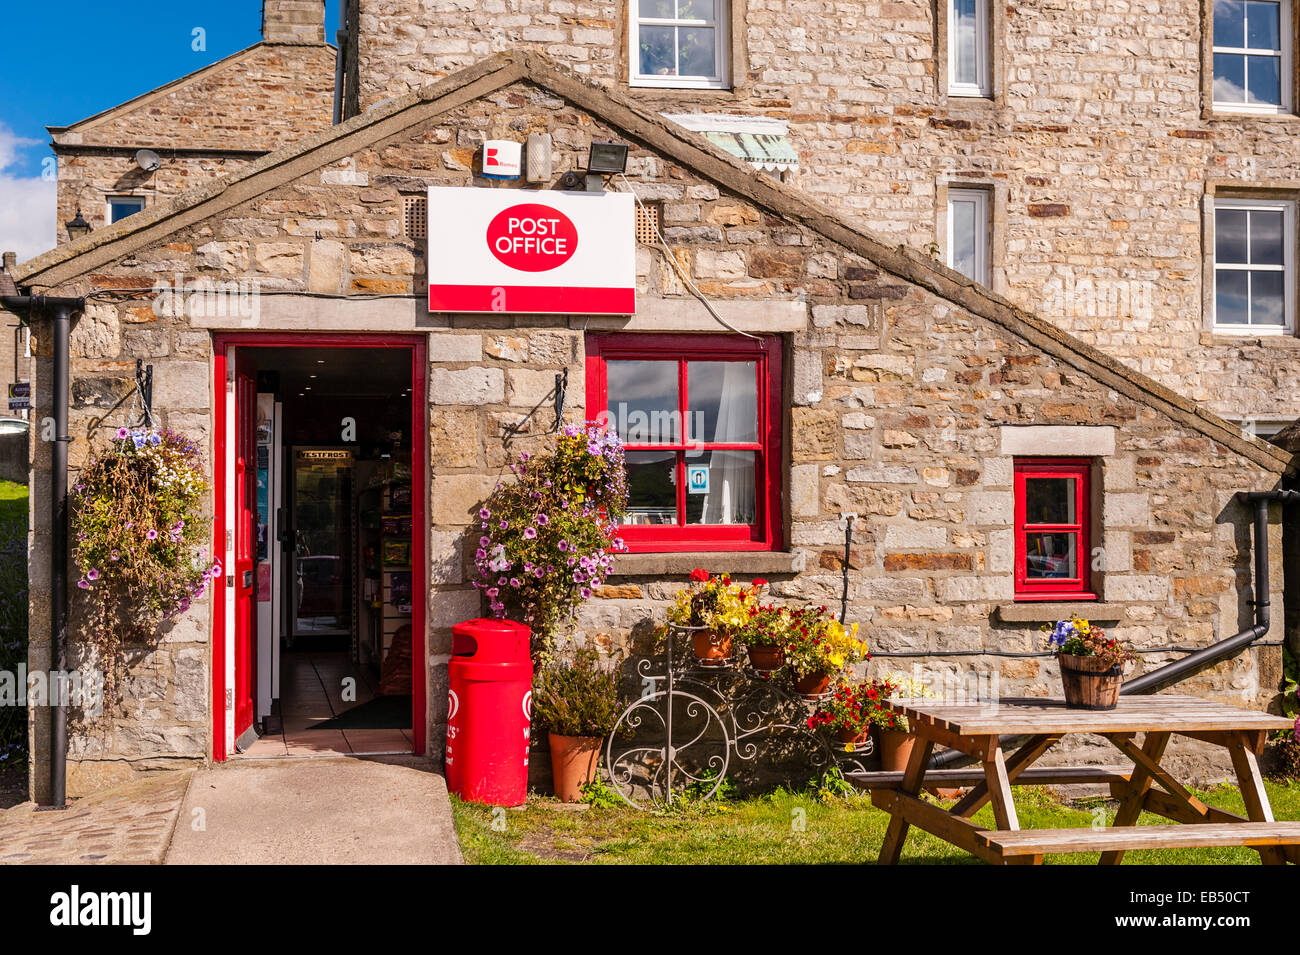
column 1035, row 715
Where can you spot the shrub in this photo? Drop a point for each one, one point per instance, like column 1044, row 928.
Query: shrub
column 578, row 698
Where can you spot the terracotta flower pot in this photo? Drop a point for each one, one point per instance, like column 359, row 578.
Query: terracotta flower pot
column 711, row 647
column 573, row 764
column 851, row 740
column 766, row 657
column 895, row 750
column 1090, row 684
column 813, row 686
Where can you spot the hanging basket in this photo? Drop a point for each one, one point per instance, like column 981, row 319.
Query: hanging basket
column 1089, row 684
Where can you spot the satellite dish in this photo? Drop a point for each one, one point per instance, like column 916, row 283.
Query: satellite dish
column 148, row 160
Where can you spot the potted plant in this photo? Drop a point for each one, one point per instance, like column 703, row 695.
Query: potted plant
column 896, row 736
column 577, row 702
column 716, row 609
column 853, row 710
column 1092, row 667
column 547, row 539
column 765, row 634
column 818, row 647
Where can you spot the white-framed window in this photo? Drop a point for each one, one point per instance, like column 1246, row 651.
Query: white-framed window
column 1252, row 55
column 968, row 233
column 1254, row 266
column 968, row 48
column 679, row 43
column 119, row 207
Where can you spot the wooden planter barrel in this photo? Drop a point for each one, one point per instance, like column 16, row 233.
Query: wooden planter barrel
column 1090, row 684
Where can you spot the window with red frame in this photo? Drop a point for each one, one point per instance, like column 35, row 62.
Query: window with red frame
column 1053, row 499
column 700, row 416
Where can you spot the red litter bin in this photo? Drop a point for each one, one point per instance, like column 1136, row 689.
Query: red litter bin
column 489, row 711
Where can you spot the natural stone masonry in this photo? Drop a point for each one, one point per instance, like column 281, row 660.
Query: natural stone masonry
column 907, row 377
column 1098, row 145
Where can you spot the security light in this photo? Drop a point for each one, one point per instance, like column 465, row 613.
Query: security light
column 607, row 158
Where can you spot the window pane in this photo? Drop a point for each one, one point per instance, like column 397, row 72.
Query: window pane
column 1262, row 26
column 1229, row 77
column 656, row 9
column 1264, row 74
column 724, row 492
column 1049, row 501
column 965, row 230
column 695, row 10
column 652, row 487
column 119, row 210
column 1266, row 238
column 1051, row 556
column 965, row 40
column 1267, row 302
column 1230, row 297
column 723, row 397
column 642, row 401
column 1229, row 23
column 699, row 53
column 658, row 56
column 1230, row 236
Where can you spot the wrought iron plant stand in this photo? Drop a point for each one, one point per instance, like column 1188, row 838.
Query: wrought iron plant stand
column 694, row 723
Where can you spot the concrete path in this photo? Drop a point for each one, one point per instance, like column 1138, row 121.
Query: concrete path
column 316, row 811
column 129, row 824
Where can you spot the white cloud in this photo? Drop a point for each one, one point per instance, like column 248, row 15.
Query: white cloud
column 27, row 203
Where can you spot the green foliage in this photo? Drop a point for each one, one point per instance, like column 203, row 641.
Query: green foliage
column 547, row 538
column 599, row 796
column 578, row 698
column 831, row 786
column 13, row 616
column 139, row 537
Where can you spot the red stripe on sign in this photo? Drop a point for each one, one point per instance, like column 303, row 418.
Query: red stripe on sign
column 535, row 299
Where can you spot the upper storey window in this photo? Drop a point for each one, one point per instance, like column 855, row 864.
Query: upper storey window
column 968, row 48
column 679, row 43
column 1252, row 56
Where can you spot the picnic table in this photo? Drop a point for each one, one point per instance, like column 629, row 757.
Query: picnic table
column 1141, row 783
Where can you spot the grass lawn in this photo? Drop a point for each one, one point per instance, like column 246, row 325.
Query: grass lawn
column 13, row 505
column 791, row 828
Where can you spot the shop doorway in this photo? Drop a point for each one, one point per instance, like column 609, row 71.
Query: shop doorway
column 319, row 637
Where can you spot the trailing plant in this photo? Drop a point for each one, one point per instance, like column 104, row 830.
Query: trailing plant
column 548, row 537
column 718, row 603
column 1078, row 637
column 818, row 643
column 138, row 537
column 578, row 697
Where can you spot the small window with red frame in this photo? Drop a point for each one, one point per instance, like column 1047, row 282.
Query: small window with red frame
column 700, row 417
column 1053, row 498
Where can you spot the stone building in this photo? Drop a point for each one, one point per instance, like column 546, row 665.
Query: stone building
column 1081, row 150
column 203, row 126
column 884, row 390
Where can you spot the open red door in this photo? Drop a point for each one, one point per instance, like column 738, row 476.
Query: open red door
column 245, row 517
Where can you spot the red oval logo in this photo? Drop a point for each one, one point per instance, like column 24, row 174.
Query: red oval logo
column 532, row 237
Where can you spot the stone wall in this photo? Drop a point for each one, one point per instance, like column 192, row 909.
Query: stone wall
column 1098, row 147
column 203, row 127
column 899, row 401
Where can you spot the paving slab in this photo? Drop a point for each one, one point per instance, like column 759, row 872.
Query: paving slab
column 386, row 810
column 126, row 825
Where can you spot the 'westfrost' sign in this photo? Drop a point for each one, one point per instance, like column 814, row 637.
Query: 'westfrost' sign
column 516, row 250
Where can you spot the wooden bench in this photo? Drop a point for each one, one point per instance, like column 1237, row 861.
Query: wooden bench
column 1030, row 845
column 973, row 776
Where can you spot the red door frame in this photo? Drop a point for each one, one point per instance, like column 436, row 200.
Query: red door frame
column 244, row 569
column 418, row 345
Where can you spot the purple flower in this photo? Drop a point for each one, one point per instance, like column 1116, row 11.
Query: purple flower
column 151, row 534
column 484, row 513
column 114, row 554
column 563, row 545
column 514, row 582
column 480, row 554
column 83, row 584
column 505, row 525
column 542, row 520
column 123, row 434
column 586, row 593
column 530, row 533
column 492, row 592
column 484, row 541
column 92, row 574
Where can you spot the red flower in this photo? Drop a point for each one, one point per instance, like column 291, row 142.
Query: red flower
column 701, row 576
column 760, row 582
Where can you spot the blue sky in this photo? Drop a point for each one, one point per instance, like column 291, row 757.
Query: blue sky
column 64, row 60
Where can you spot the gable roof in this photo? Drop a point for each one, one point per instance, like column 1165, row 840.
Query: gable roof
column 70, row 137
column 391, row 117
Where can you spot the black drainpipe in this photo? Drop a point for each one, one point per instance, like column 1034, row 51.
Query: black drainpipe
column 1179, row 670
column 62, row 309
